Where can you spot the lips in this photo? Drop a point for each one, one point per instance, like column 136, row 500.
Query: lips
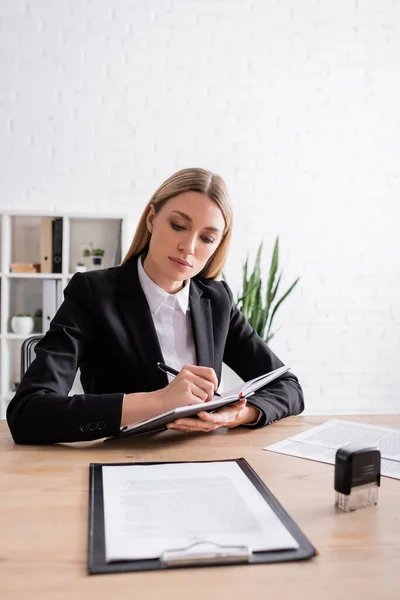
column 181, row 262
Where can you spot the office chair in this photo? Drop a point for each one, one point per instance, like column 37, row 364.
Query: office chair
column 28, row 351
column 28, row 355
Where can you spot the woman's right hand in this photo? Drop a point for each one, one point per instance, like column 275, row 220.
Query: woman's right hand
column 193, row 385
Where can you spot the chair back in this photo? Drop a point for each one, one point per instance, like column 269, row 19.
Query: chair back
column 28, row 355
column 28, row 352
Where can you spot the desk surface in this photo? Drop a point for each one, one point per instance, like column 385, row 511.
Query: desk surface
column 44, row 519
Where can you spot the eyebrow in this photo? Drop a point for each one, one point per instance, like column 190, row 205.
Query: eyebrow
column 190, row 220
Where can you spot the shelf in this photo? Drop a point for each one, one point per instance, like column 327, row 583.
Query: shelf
column 69, row 275
column 27, row 292
column 43, row 275
column 34, row 275
column 19, row 336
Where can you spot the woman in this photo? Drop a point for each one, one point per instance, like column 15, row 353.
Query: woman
column 163, row 304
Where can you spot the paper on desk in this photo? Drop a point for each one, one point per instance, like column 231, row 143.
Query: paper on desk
column 389, row 468
column 321, row 443
column 151, row 509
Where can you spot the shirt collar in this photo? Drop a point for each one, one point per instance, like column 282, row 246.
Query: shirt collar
column 156, row 296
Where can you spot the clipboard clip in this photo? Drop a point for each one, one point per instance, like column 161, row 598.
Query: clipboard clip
column 194, row 554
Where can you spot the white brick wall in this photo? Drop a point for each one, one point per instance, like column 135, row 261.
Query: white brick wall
column 295, row 103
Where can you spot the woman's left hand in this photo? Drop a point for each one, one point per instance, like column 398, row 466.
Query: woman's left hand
column 231, row 416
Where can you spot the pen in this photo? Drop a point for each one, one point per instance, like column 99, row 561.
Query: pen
column 174, row 372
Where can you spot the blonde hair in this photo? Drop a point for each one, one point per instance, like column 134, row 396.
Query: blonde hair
column 189, row 180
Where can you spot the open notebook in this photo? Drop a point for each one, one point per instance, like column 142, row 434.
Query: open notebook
column 244, row 390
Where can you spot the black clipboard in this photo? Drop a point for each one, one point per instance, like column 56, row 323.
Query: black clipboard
column 96, row 543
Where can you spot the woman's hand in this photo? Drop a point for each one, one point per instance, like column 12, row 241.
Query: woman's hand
column 193, row 385
column 230, row 416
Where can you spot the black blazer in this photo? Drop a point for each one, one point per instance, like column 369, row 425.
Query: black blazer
column 105, row 328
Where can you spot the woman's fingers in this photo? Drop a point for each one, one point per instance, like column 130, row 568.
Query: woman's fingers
column 203, row 378
column 192, row 385
column 224, row 415
column 189, row 424
column 202, row 389
column 206, row 373
column 210, row 421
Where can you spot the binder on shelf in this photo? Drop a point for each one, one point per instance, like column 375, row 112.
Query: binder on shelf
column 49, row 300
column 59, row 293
column 46, row 245
column 57, row 245
column 191, row 555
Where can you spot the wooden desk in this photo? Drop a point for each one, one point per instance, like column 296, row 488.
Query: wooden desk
column 44, row 519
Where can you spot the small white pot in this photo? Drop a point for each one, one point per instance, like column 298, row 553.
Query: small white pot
column 80, row 269
column 22, row 325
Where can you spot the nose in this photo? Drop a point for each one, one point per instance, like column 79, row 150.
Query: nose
column 188, row 244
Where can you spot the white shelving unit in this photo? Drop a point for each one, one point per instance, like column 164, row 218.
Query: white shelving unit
column 20, row 242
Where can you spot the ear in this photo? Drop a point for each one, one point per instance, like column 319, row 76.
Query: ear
column 150, row 218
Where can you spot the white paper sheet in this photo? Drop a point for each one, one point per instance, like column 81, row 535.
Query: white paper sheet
column 151, row 509
column 321, row 443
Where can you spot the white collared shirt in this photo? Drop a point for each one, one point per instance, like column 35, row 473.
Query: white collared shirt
column 171, row 318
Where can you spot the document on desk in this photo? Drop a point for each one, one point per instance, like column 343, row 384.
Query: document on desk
column 321, row 443
column 153, row 509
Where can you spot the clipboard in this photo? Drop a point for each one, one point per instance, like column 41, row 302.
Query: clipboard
column 178, row 557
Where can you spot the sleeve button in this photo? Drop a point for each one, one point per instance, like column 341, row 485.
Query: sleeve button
column 101, row 425
column 83, row 427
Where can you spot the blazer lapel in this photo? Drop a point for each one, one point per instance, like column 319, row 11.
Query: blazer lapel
column 137, row 317
column 200, row 311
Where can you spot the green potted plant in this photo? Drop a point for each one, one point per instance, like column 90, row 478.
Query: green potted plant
column 258, row 302
column 97, row 257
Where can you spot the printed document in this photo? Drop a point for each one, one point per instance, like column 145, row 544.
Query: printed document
column 321, row 443
column 152, row 509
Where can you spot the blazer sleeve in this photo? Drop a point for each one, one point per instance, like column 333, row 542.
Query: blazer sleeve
column 249, row 356
column 41, row 411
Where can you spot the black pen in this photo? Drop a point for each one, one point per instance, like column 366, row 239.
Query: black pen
column 174, row 372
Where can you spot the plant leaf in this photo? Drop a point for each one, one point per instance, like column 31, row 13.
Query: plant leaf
column 247, row 293
column 271, row 297
column 272, row 271
column 245, row 282
column 256, row 310
column 277, row 305
column 251, row 297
